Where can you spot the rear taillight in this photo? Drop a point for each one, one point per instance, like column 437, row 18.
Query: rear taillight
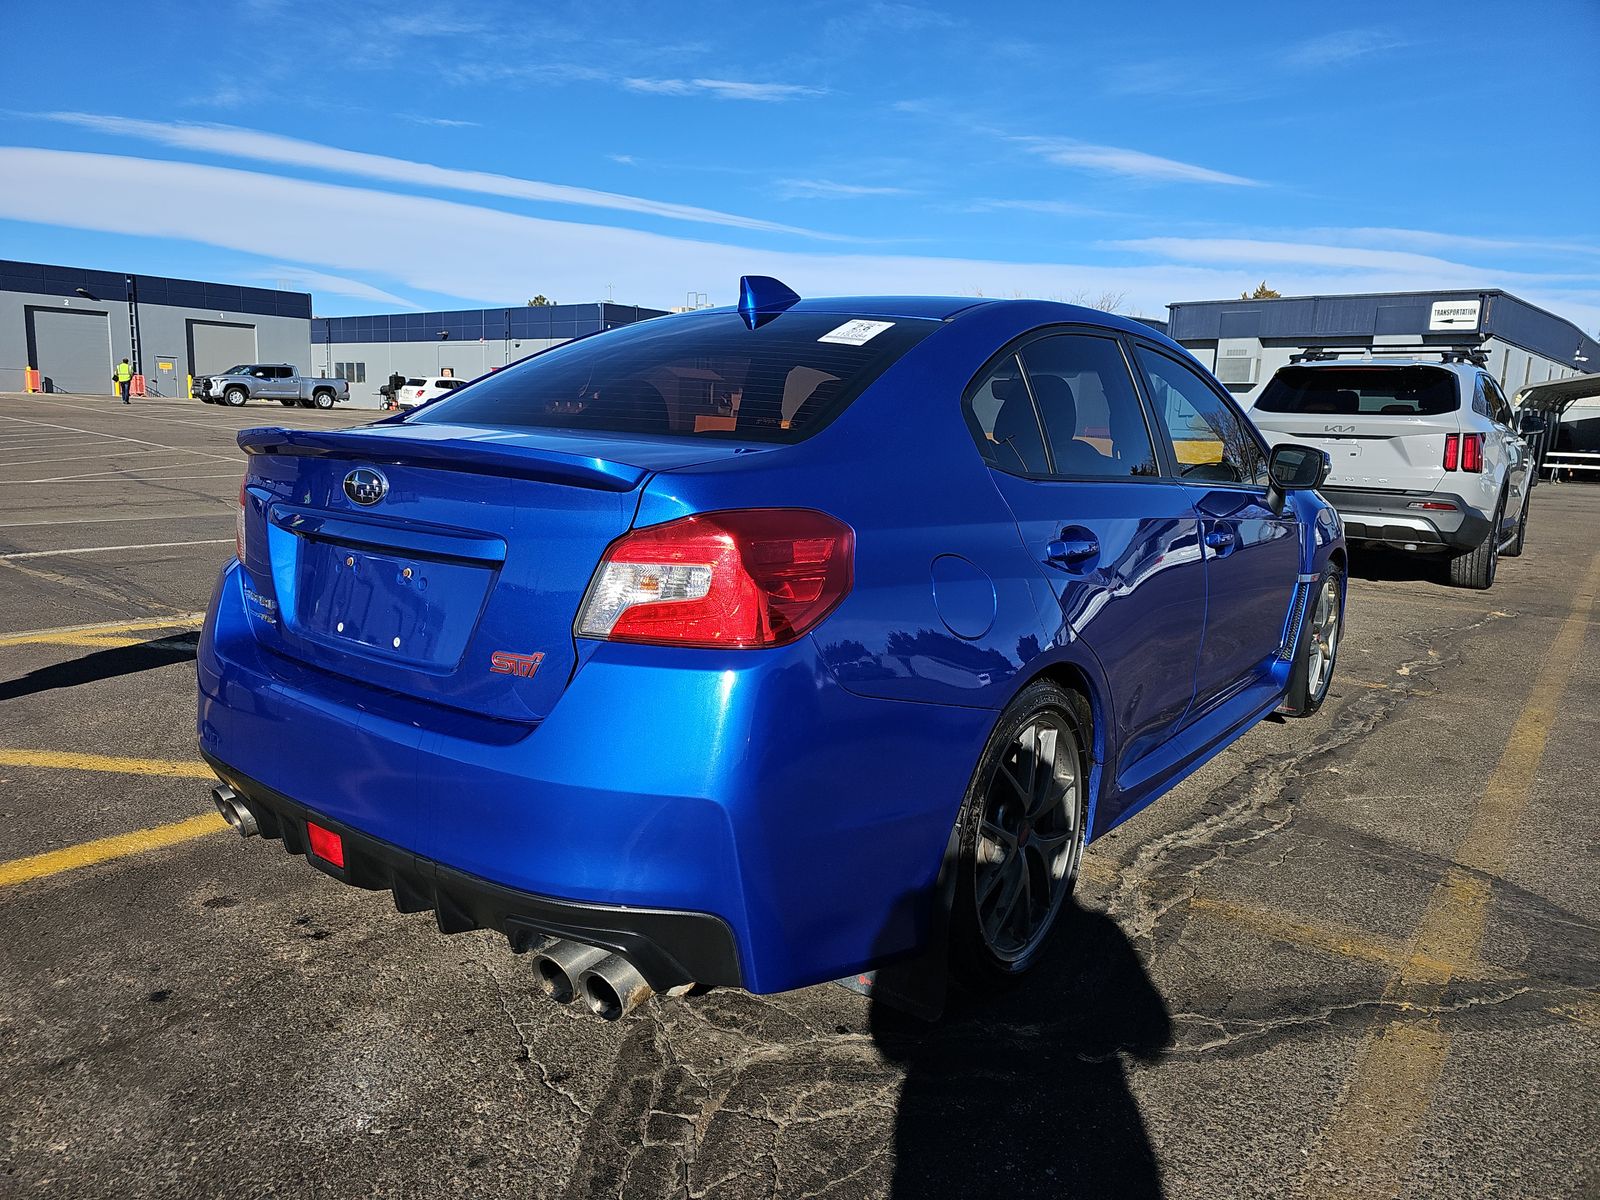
column 238, row 524
column 1463, row 451
column 741, row 578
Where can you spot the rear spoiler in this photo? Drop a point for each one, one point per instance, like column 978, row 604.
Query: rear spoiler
column 375, row 444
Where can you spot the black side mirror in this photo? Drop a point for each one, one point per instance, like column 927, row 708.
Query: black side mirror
column 1530, row 420
column 1292, row 468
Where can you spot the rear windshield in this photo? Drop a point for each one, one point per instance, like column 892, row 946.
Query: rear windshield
column 699, row 375
column 1364, row 391
column 416, row 383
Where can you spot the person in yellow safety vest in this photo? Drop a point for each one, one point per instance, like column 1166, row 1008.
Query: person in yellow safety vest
column 124, row 377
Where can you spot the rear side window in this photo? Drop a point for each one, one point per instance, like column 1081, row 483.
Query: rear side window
column 1000, row 414
column 700, row 375
column 416, row 383
column 1361, row 391
column 1091, row 413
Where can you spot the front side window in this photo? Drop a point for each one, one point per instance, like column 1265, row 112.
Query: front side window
column 1091, row 414
column 1209, row 439
column 699, row 375
column 1000, row 414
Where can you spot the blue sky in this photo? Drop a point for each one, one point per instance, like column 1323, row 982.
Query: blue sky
column 389, row 156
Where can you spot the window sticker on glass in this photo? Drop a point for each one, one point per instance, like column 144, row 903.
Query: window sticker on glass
column 856, row 333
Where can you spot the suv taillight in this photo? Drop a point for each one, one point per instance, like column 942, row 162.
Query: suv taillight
column 742, row 578
column 1463, row 451
column 238, row 525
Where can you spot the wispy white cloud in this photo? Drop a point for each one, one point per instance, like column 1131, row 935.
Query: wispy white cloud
column 235, row 142
column 338, row 285
column 1054, row 208
column 723, row 89
column 626, row 160
column 485, row 255
column 440, row 122
column 1131, row 164
column 1426, row 239
column 1340, row 47
column 827, row 189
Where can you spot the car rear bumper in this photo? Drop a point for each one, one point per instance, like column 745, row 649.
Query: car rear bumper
column 1396, row 519
column 669, row 948
column 741, row 788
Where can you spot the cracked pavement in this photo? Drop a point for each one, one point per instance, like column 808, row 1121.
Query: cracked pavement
column 214, row 1018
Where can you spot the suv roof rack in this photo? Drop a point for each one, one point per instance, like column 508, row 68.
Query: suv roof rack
column 1450, row 354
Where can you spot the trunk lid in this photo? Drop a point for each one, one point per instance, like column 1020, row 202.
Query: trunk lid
column 1369, row 451
column 460, row 581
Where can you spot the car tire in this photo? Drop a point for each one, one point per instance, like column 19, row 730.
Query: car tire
column 1020, row 842
column 1476, row 568
column 235, row 397
column 1519, row 539
column 323, row 398
column 1316, row 650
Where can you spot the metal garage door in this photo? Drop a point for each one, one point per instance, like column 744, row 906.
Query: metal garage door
column 72, row 349
column 217, row 345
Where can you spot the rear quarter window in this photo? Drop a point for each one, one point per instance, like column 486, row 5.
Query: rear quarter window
column 704, row 375
column 1399, row 391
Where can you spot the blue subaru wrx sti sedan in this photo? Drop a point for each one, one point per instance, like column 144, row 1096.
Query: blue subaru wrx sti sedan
column 761, row 646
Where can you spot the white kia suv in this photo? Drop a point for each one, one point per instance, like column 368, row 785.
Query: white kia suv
column 1427, row 453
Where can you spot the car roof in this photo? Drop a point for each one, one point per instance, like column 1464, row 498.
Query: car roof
column 945, row 308
column 1383, row 360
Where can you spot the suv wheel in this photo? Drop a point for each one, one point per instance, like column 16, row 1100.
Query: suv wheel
column 1476, row 568
column 1519, row 539
column 235, row 397
column 1317, row 649
column 1022, row 830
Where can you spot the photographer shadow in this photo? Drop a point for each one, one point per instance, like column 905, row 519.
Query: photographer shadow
column 1023, row 1092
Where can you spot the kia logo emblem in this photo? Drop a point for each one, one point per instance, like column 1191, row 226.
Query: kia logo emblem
column 365, row 486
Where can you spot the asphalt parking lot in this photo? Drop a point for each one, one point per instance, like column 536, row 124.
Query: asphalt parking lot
column 1356, row 956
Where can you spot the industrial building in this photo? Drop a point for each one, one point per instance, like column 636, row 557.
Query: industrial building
column 1245, row 341
column 72, row 325
column 466, row 344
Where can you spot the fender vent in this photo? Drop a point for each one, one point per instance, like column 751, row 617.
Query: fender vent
column 1297, row 614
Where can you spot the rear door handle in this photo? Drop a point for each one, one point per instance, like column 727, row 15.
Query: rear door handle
column 1220, row 539
column 1072, row 551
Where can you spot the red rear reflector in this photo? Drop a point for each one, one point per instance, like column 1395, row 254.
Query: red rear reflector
column 1452, row 450
column 326, row 844
column 742, row 578
column 1472, row 452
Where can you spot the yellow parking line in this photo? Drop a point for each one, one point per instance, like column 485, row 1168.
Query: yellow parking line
column 1341, row 940
column 68, row 760
column 1371, row 1140
column 53, row 862
column 67, row 633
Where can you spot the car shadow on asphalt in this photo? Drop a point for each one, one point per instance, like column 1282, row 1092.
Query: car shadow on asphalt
column 1379, row 564
column 1025, row 1092
column 103, row 664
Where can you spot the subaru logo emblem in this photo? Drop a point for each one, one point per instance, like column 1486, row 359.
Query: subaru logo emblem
column 365, row 486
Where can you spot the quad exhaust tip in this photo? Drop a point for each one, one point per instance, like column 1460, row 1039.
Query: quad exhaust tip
column 234, row 810
column 610, row 986
column 558, row 967
column 613, row 988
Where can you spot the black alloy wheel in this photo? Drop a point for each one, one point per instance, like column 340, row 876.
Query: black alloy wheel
column 1023, row 833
